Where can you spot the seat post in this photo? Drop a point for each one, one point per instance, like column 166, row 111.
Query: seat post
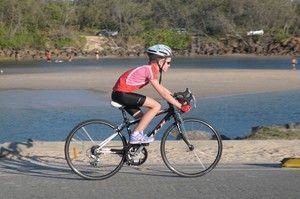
column 124, row 113
column 120, row 107
column 126, row 120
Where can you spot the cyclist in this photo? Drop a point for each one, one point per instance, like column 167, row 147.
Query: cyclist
column 160, row 57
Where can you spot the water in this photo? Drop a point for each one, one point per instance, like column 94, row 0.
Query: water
column 234, row 116
column 219, row 62
column 49, row 115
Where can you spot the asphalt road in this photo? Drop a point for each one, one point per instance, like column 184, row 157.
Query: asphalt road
column 21, row 179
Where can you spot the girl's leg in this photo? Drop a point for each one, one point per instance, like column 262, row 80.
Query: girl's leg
column 154, row 107
column 138, row 114
column 137, row 136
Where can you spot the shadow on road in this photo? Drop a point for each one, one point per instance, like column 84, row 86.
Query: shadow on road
column 269, row 165
column 12, row 161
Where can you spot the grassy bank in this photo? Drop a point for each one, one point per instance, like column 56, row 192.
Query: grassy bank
column 274, row 133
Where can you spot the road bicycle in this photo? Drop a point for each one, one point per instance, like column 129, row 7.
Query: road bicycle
column 97, row 149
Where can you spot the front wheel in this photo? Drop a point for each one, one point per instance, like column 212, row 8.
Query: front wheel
column 192, row 148
column 95, row 150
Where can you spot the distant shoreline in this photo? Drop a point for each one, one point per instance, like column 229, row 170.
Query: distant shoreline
column 90, row 56
column 96, row 45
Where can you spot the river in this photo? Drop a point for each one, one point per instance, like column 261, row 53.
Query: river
column 49, row 115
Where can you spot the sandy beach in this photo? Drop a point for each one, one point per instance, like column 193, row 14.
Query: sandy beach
column 234, row 151
column 203, row 83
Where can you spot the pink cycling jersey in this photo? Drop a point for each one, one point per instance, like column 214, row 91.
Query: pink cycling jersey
column 136, row 78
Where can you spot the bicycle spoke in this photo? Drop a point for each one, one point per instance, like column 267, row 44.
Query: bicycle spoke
column 199, row 160
column 94, row 150
column 204, row 148
column 87, row 134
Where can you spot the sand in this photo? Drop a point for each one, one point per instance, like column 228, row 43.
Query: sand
column 234, row 151
column 203, row 83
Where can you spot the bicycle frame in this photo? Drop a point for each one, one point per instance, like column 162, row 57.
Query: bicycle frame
column 127, row 123
column 96, row 150
column 170, row 111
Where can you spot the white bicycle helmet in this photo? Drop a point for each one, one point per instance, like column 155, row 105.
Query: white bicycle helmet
column 160, row 50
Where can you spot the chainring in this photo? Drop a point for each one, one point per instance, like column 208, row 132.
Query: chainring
column 136, row 154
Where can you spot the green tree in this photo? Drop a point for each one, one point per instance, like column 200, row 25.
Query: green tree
column 59, row 22
column 171, row 38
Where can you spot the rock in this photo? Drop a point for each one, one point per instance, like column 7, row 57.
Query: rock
column 258, row 45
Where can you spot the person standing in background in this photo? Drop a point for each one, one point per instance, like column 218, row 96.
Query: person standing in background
column 48, row 56
column 97, row 54
column 294, row 62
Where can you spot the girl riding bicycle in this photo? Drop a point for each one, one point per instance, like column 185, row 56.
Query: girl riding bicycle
column 160, row 57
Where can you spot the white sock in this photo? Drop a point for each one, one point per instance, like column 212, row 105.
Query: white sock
column 135, row 133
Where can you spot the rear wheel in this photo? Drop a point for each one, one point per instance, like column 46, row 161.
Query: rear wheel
column 193, row 149
column 94, row 150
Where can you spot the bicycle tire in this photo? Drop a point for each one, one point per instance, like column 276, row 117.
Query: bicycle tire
column 81, row 149
column 201, row 158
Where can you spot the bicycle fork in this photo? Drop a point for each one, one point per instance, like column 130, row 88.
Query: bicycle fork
column 182, row 131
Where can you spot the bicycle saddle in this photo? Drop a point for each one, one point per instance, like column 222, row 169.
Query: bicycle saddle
column 116, row 104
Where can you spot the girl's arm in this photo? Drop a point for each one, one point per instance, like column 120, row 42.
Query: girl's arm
column 165, row 93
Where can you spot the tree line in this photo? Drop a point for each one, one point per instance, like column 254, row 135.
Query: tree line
column 58, row 23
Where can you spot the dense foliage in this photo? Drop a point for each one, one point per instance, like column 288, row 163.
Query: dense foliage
column 57, row 23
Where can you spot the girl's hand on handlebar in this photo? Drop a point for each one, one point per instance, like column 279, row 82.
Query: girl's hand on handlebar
column 185, row 108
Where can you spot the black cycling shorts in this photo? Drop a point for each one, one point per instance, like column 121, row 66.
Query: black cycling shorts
column 131, row 101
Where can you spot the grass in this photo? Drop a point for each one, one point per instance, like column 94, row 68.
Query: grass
column 274, row 133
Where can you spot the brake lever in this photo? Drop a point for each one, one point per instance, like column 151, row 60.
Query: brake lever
column 194, row 99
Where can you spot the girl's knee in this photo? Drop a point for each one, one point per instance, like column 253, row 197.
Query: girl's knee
column 157, row 106
column 152, row 104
